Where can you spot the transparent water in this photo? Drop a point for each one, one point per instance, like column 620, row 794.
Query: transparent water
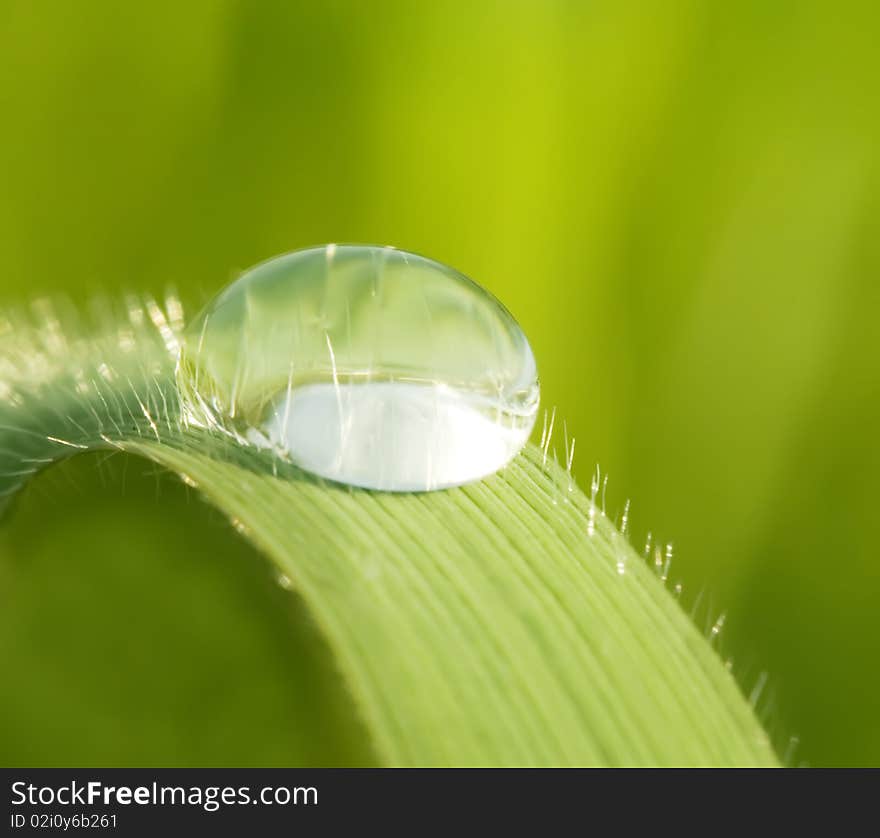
column 365, row 365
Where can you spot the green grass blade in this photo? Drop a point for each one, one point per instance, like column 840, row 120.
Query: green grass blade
column 503, row 623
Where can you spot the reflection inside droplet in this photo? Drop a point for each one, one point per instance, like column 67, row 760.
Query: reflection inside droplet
column 364, row 365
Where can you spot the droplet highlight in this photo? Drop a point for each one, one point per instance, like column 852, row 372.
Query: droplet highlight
column 365, row 365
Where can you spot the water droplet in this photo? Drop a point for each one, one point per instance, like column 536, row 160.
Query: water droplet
column 365, row 365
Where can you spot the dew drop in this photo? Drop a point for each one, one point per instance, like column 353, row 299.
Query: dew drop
column 364, row 365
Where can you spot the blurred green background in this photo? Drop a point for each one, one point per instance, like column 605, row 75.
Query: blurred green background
column 680, row 201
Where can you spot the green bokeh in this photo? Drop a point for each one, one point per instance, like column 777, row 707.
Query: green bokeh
column 678, row 200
